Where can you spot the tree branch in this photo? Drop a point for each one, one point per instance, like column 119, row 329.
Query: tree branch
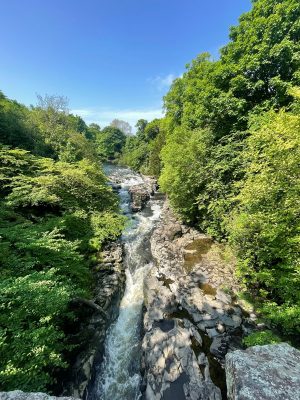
column 91, row 304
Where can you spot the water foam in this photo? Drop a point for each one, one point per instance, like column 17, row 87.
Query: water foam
column 119, row 377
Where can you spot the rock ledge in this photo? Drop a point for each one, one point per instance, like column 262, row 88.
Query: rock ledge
column 19, row 395
column 270, row 372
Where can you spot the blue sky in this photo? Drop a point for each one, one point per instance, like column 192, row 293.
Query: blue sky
column 111, row 58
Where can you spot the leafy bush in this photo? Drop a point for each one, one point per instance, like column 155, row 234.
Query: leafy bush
column 261, row 338
column 229, row 158
column 142, row 152
column 32, row 338
column 55, row 215
column 264, row 227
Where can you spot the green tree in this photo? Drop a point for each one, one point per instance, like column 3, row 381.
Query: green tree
column 110, row 143
column 56, row 213
column 264, row 226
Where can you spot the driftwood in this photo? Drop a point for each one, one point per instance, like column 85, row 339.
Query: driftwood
column 91, row 304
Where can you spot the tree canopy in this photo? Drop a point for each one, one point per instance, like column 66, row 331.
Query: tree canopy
column 57, row 211
column 227, row 152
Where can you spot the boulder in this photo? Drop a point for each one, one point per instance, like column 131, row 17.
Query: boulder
column 270, row 372
column 172, row 231
column 139, row 195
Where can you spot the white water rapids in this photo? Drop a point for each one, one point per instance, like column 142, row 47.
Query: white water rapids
column 119, row 376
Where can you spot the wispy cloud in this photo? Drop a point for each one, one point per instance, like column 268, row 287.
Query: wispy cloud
column 162, row 82
column 103, row 117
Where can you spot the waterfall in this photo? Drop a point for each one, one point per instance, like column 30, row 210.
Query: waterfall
column 119, row 375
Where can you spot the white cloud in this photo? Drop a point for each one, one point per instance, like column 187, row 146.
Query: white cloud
column 163, row 82
column 103, row 117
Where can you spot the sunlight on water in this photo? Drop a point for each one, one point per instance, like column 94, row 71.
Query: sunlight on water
column 119, row 377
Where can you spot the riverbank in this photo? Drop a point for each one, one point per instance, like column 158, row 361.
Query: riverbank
column 97, row 315
column 164, row 314
column 191, row 321
column 117, row 375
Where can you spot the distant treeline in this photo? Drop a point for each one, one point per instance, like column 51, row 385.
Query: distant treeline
column 227, row 153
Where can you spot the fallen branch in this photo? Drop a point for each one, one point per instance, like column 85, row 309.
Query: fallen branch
column 91, row 304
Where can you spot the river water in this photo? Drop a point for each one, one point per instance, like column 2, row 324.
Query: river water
column 119, row 377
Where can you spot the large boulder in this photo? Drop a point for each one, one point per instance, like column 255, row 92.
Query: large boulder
column 270, row 372
column 139, row 195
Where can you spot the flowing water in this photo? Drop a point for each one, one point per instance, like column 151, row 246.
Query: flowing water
column 119, row 377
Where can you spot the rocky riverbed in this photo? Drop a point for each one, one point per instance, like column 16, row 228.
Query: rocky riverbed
column 164, row 315
column 190, row 320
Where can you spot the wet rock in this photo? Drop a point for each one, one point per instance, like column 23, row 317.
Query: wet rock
column 219, row 346
column 139, row 195
column 109, row 278
column 269, row 372
column 150, row 183
column 164, row 324
column 19, row 395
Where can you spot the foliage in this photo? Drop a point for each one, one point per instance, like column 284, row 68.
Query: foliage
column 228, row 152
column 16, row 128
column 264, row 226
column 110, row 142
column 67, row 135
column 56, row 213
column 142, row 152
column 123, row 126
column 261, row 338
column 32, row 339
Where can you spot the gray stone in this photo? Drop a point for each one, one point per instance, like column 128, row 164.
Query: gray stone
column 209, row 323
column 202, row 359
column 170, row 364
column 270, row 372
column 139, row 195
column 19, row 395
column 229, row 321
column 253, row 317
column 220, row 328
column 219, row 346
column 222, row 296
column 172, row 231
column 212, row 332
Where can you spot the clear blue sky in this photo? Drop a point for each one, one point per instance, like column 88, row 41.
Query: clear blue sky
column 111, row 58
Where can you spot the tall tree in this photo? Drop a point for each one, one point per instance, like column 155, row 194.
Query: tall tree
column 124, row 126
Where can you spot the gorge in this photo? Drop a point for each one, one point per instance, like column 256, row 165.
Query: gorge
column 160, row 262
column 175, row 324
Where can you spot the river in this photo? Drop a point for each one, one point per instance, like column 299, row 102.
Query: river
column 118, row 377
